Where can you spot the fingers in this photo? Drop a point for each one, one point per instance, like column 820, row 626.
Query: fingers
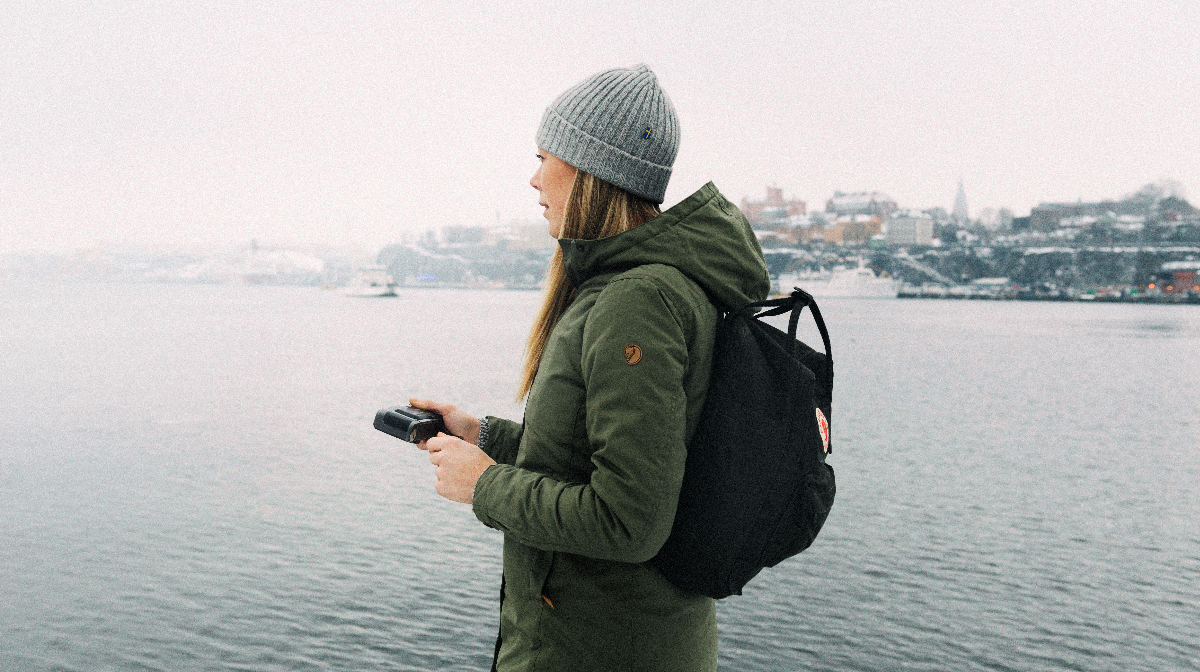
column 419, row 403
column 439, row 407
column 459, row 422
column 424, row 445
column 458, row 466
column 436, row 445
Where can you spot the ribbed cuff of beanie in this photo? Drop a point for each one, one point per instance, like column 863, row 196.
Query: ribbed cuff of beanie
column 607, row 162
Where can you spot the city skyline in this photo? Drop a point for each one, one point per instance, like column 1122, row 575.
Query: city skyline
column 206, row 124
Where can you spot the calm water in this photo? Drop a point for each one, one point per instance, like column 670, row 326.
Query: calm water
column 189, row 480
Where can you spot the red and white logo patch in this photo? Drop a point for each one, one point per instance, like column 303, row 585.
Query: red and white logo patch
column 823, row 425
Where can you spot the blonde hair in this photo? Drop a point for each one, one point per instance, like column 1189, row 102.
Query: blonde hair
column 595, row 209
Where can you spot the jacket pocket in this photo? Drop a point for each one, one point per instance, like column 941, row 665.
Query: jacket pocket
column 539, row 573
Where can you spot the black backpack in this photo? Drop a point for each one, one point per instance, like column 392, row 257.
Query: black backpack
column 756, row 489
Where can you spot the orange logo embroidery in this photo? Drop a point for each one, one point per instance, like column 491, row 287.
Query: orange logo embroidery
column 633, row 354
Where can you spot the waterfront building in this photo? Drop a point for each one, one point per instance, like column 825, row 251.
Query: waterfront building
column 1180, row 277
column 1150, row 204
column 910, row 227
column 861, row 203
column 851, row 230
column 809, row 227
column 1049, row 216
column 773, row 212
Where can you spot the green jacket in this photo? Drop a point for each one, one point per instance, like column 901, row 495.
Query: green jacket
column 585, row 488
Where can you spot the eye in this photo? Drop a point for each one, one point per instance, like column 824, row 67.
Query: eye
column 540, row 157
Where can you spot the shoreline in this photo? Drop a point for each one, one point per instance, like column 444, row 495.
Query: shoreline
column 969, row 294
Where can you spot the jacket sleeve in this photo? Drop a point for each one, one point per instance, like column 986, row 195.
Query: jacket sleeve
column 634, row 357
column 504, row 437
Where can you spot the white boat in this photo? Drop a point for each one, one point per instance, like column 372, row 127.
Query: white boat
column 841, row 282
column 371, row 281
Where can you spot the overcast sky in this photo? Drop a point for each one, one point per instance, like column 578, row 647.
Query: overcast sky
column 358, row 123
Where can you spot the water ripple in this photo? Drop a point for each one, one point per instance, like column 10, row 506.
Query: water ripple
column 1005, row 502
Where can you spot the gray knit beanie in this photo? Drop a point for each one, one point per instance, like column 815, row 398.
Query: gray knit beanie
column 618, row 125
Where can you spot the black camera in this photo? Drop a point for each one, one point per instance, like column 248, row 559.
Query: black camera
column 409, row 423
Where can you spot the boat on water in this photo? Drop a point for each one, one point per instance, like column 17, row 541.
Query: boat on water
column 371, row 281
column 841, row 282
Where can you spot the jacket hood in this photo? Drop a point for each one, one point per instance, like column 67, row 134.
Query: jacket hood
column 704, row 236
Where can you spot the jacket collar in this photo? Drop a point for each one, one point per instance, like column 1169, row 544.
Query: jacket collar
column 585, row 259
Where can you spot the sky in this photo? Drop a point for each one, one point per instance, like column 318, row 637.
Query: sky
column 193, row 123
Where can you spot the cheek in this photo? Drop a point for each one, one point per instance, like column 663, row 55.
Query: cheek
column 551, row 193
column 562, row 185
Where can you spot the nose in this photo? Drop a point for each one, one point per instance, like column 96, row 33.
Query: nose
column 536, row 180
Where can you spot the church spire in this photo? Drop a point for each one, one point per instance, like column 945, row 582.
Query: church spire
column 960, row 213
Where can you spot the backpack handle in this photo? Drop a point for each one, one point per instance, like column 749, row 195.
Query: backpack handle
column 795, row 303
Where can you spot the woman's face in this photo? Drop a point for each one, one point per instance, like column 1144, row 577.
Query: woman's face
column 553, row 181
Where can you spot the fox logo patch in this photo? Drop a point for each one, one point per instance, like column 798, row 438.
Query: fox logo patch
column 633, row 354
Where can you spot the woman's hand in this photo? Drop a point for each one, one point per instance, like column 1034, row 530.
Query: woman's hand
column 459, row 423
column 459, row 465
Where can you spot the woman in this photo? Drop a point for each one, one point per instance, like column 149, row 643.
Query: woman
column 616, row 370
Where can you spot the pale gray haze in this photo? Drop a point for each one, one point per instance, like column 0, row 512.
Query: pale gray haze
column 197, row 123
